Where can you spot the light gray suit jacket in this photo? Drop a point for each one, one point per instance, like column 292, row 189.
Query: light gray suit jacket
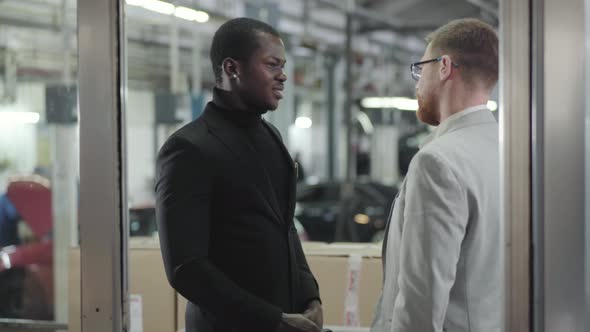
column 443, row 254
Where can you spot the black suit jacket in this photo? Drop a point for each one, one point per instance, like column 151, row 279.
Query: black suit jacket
column 227, row 247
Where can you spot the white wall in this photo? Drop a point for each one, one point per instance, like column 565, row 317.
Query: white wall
column 384, row 154
column 140, row 146
column 310, row 143
column 18, row 142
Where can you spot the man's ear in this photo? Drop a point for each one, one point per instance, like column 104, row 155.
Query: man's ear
column 446, row 68
column 231, row 68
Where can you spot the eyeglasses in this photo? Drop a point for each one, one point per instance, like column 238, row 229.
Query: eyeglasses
column 416, row 67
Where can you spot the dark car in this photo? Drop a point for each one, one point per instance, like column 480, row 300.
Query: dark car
column 364, row 213
column 142, row 223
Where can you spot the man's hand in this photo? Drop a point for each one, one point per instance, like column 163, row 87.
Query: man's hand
column 297, row 323
column 315, row 313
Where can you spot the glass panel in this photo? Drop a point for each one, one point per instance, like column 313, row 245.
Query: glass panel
column 39, row 163
column 168, row 84
column 170, row 80
column 587, row 161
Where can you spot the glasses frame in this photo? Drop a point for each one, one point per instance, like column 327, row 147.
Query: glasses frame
column 419, row 65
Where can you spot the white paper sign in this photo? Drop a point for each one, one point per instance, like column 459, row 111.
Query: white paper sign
column 351, row 304
column 136, row 313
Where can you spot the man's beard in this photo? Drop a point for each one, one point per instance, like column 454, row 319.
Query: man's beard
column 427, row 110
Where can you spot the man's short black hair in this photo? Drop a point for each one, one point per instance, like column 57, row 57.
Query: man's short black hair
column 236, row 39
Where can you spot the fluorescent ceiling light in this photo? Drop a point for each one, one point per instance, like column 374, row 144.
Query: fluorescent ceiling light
column 191, row 14
column 19, row 117
column 303, row 122
column 167, row 8
column 403, row 103
column 158, row 6
column 201, row 16
column 134, row 2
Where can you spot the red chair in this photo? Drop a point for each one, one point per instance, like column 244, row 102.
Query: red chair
column 31, row 197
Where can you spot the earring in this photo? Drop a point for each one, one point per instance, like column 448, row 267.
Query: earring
column 234, row 76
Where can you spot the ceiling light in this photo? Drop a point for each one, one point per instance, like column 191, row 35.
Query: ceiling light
column 18, row 117
column 159, row 6
column 303, row 122
column 201, row 16
column 191, row 14
column 401, row 103
column 185, row 13
column 167, row 8
column 153, row 5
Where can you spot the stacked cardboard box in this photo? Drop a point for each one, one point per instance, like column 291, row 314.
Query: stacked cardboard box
column 330, row 263
column 349, row 276
column 146, row 279
column 349, row 293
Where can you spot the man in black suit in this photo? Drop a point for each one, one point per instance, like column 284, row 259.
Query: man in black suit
column 226, row 196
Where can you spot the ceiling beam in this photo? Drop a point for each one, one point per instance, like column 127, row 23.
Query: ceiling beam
column 370, row 15
column 485, row 6
column 393, row 8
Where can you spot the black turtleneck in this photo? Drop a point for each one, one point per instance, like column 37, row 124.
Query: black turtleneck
column 267, row 148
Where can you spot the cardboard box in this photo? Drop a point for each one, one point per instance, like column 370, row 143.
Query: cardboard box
column 330, row 265
column 163, row 309
column 74, row 299
column 180, row 310
column 146, row 278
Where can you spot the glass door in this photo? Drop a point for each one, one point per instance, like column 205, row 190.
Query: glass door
column 39, row 162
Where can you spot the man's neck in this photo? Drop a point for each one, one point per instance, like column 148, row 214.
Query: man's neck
column 452, row 103
column 228, row 99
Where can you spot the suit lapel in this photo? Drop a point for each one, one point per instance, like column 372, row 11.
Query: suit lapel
column 239, row 145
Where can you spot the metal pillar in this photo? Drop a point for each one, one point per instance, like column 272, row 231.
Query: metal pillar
column 345, row 229
column 330, row 66
column 587, row 159
column 348, row 118
column 64, row 188
column 537, row 128
column 197, row 75
column 175, row 85
column 515, row 159
column 174, row 56
column 103, row 203
column 563, row 94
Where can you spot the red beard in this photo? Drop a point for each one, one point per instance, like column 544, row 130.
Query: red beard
column 427, row 111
